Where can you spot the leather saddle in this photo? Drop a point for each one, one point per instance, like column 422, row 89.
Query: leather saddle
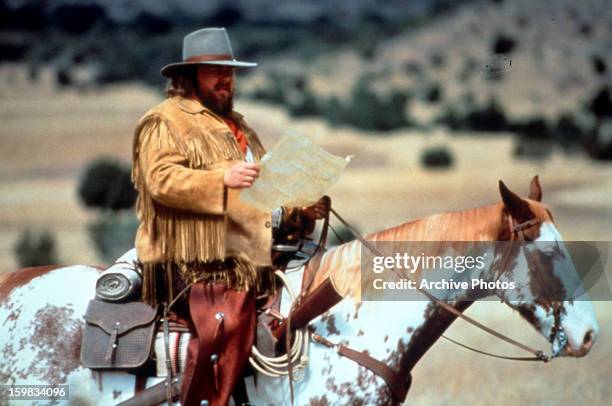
column 122, row 335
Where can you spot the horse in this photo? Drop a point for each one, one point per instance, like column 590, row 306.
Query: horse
column 41, row 310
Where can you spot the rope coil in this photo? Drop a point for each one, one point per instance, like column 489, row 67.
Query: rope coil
column 297, row 355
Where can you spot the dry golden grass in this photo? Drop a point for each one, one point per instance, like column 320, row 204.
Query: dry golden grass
column 449, row 374
column 47, row 136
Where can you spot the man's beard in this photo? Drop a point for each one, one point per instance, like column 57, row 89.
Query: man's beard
column 218, row 105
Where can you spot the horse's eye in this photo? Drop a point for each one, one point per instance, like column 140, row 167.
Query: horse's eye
column 547, row 254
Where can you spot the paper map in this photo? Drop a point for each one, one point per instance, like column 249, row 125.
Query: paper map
column 294, row 173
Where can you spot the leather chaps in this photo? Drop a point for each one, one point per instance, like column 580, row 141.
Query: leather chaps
column 223, row 331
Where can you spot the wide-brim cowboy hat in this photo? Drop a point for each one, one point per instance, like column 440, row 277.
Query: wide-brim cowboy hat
column 208, row 46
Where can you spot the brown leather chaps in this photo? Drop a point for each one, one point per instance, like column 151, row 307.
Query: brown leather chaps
column 223, row 330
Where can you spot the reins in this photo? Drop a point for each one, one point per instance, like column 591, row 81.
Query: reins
column 538, row 355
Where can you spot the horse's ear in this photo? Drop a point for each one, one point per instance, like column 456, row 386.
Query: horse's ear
column 512, row 201
column 535, row 191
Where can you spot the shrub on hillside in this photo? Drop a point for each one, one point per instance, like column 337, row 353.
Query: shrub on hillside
column 227, row 15
column 534, row 138
column 106, row 184
column 112, row 234
column 503, row 44
column 470, row 116
column 437, row 59
column 272, row 92
column 27, row 17
column 433, row 93
column 35, row 249
column 77, row 18
column 470, row 65
column 292, row 92
column 568, row 132
column 533, row 149
column 450, row 117
column 533, row 128
column 598, row 143
column 364, row 109
column 13, row 49
column 438, row 157
column 596, row 120
column 601, row 103
column 586, row 29
column 369, row 111
column 481, row 118
column 302, row 104
column 441, row 7
column 490, row 117
column 413, row 68
column 152, row 24
column 300, row 100
column 599, row 65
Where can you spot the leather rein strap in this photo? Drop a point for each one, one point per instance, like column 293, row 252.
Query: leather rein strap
column 399, row 387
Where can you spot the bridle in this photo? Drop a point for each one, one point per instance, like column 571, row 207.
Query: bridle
column 557, row 337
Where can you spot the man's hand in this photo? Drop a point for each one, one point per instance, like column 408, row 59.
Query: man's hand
column 317, row 211
column 241, row 175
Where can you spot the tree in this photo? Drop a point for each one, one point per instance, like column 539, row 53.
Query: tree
column 107, row 184
column 35, row 249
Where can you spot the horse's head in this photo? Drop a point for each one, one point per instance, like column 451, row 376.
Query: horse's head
column 545, row 274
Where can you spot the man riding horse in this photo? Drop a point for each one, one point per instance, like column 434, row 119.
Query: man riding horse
column 192, row 156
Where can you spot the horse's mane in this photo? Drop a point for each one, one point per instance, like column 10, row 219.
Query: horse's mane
column 343, row 263
column 478, row 224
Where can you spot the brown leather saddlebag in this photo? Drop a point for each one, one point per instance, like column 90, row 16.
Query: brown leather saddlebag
column 117, row 335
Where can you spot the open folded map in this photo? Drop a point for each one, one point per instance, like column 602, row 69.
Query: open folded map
column 296, row 172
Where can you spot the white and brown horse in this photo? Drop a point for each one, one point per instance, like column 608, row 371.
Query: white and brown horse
column 41, row 314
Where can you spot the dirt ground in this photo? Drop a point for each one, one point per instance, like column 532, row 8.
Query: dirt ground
column 47, row 137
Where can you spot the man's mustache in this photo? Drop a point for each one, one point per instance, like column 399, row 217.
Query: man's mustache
column 223, row 86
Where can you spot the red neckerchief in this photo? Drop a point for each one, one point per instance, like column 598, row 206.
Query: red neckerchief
column 240, row 137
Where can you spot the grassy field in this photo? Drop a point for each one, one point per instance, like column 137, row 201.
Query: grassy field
column 48, row 136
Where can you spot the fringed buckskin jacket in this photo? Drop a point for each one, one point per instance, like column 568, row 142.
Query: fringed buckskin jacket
column 187, row 216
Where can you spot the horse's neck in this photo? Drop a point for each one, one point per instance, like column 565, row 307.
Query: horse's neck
column 408, row 332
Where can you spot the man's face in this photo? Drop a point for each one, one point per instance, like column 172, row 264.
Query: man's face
column 216, row 87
